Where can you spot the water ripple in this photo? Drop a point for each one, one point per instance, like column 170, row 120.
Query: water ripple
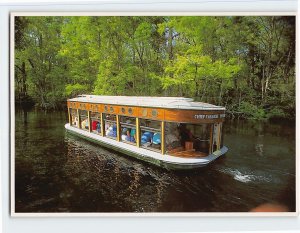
column 246, row 177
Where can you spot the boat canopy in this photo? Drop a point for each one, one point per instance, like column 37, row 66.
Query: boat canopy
column 149, row 101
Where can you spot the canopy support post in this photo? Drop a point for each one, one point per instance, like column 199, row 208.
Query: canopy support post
column 118, row 127
column 69, row 114
column 89, row 121
column 137, row 122
column 163, row 137
column 79, row 121
column 102, row 124
column 211, row 139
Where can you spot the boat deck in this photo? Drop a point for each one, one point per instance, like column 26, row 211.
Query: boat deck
column 189, row 154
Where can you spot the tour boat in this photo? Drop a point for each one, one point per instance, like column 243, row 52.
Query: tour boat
column 171, row 132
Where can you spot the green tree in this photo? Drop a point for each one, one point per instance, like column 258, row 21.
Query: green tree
column 244, row 63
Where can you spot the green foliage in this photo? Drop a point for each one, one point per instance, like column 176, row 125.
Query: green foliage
column 252, row 111
column 276, row 113
column 75, row 89
column 244, row 63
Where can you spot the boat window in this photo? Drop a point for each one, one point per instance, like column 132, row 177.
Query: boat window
column 96, row 122
column 172, row 137
column 150, row 134
column 195, row 136
column 123, row 110
column 105, row 108
column 154, row 113
column 110, row 125
column 128, row 129
column 187, row 140
column 84, row 121
column 74, row 117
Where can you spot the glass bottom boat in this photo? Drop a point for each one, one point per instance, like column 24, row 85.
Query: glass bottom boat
column 172, row 132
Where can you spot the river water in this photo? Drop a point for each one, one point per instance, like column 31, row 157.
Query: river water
column 57, row 172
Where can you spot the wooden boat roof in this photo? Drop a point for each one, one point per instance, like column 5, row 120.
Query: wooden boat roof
column 148, row 101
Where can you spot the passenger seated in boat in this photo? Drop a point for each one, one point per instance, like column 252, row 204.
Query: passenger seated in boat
column 98, row 127
column 126, row 132
column 85, row 124
column 146, row 138
column 75, row 121
column 132, row 135
column 156, row 138
column 125, row 135
column 185, row 135
column 156, row 141
column 112, row 131
column 94, row 125
column 107, row 126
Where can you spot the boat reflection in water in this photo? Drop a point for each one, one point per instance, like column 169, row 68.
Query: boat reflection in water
column 105, row 181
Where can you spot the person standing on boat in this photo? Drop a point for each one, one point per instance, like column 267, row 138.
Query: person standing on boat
column 185, row 134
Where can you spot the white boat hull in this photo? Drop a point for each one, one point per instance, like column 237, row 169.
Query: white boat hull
column 166, row 161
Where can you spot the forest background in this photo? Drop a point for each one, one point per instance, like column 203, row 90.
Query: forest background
column 245, row 63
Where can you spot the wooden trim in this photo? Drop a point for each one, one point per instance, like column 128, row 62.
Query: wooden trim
column 161, row 114
column 69, row 115
column 89, row 121
column 183, row 151
column 118, row 128
column 193, row 116
column 211, row 139
column 138, row 132
column 102, row 124
column 162, row 137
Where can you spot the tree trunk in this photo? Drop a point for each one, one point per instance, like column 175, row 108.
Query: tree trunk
column 21, row 82
column 221, row 90
column 262, row 84
column 170, row 44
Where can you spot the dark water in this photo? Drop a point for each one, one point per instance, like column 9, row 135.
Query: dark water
column 56, row 172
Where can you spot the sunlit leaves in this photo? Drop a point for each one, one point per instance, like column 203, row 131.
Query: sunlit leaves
column 235, row 61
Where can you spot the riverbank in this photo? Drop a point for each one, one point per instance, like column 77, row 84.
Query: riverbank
column 255, row 113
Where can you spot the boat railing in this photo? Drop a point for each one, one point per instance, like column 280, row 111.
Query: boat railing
column 202, row 140
column 110, row 121
column 145, row 128
column 127, row 125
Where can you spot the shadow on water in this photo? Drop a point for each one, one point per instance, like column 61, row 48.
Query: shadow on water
column 58, row 172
